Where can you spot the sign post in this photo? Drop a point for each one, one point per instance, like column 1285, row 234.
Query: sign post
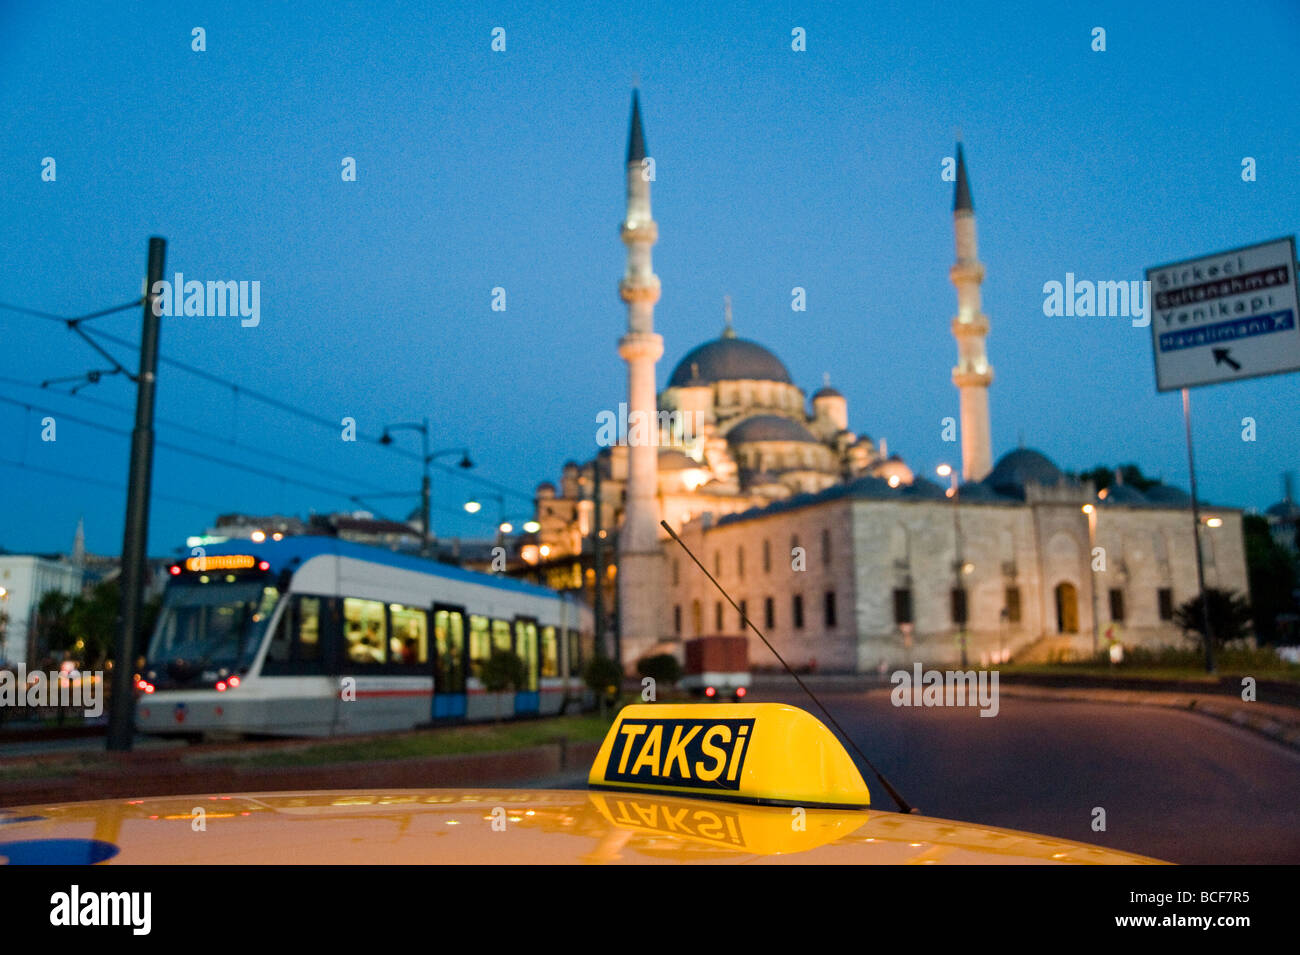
column 1220, row 318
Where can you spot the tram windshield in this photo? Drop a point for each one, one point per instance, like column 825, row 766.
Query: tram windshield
column 216, row 624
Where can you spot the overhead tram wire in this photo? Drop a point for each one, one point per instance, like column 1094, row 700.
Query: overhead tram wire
column 190, row 429
column 317, row 419
column 111, row 485
column 319, row 488
column 903, row 804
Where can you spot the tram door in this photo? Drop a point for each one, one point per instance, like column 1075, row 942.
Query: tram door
column 449, row 662
column 527, row 697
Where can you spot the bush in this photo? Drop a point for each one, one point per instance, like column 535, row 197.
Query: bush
column 503, row 670
column 663, row 668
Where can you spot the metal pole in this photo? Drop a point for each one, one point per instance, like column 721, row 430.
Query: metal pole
column 135, row 536
column 1196, row 537
column 424, row 490
column 961, row 568
column 598, row 559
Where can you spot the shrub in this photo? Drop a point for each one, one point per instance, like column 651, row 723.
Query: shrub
column 663, row 668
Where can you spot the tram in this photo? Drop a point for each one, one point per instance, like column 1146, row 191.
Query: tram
column 316, row 636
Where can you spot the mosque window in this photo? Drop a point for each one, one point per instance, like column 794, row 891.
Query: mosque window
column 744, row 615
column 826, row 547
column 828, row 608
column 767, row 559
column 1117, row 605
column 769, row 613
column 677, row 575
column 717, row 563
column 1013, row 604
column 959, row 606
column 697, row 617
column 740, row 562
column 796, row 606
column 677, row 619
column 1165, row 596
column 902, row 605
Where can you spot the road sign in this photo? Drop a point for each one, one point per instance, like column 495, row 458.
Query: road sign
column 1224, row 317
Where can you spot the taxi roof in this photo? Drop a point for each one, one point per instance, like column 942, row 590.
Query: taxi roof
column 505, row 826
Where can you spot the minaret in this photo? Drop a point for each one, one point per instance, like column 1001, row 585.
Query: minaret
column 639, row 555
column 973, row 373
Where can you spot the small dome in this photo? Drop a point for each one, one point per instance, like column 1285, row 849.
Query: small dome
column 546, row 489
column 826, row 392
column 870, row 487
column 1020, row 467
column 982, row 493
column 769, row 427
column 1283, row 510
column 1165, row 495
column 728, row 359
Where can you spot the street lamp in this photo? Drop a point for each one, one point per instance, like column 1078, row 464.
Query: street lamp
column 1091, row 511
column 427, row 458
column 959, row 564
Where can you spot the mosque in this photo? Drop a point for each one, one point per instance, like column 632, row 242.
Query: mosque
column 845, row 557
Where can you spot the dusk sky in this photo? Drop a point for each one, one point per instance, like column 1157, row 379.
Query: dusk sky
column 479, row 169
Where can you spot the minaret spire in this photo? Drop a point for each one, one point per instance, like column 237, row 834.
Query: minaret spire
column 640, row 556
column 973, row 373
column 727, row 330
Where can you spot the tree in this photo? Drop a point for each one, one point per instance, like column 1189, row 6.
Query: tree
column 603, row 676
column 503, row 670
column 53, row 624
column 94, row 623
column 1103, row 476
column 1272, row 577
column 1230, row 616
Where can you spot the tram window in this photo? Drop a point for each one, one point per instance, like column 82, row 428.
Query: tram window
column 500, row 635
column 295, row 646
column 550, row 653
column 526, row 649
column 480, row 643
column 364, row 630
column 409, row 644
column 308, row 649
column 449, row 645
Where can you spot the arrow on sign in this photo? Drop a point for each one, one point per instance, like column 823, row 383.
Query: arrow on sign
column 1222, row 356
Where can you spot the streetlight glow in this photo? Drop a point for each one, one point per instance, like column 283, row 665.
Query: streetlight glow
column 473, row 507
column 943, row 470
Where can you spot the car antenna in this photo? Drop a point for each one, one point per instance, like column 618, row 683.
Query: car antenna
column 903, row 804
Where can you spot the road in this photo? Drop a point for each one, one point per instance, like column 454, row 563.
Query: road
column 1174, row 785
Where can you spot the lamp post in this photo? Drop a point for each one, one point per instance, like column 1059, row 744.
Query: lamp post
column 1091, row 511
column 505, row 525
column 426, row 458
column 959, row 564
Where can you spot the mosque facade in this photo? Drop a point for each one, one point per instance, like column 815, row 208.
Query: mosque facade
column 834, row 547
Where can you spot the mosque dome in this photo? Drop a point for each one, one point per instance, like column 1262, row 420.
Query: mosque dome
column 1164, row 495
column 728, row 359
column 1125, row 495
column 1020, row 467
column 826, row 391
column 770, row 428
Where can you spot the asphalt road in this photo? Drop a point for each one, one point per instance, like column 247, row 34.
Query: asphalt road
column 1174, row 785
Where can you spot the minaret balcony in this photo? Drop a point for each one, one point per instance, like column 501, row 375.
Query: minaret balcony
column 963, row 327
column 970, row 378
column 639, row 289
column 639, row 230
column 966, row 272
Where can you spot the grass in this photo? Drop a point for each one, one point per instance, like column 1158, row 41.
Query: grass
column 1173, row 663
column 444, row 741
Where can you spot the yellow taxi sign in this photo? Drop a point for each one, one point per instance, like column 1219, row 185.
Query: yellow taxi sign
column 764, row 753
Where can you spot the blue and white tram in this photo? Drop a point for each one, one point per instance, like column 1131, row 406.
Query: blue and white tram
column 315, row 636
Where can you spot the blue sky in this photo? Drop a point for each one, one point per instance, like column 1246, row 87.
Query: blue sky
column 477, row 169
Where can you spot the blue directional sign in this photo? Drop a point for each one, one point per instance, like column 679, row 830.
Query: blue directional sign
column 1226, row 316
